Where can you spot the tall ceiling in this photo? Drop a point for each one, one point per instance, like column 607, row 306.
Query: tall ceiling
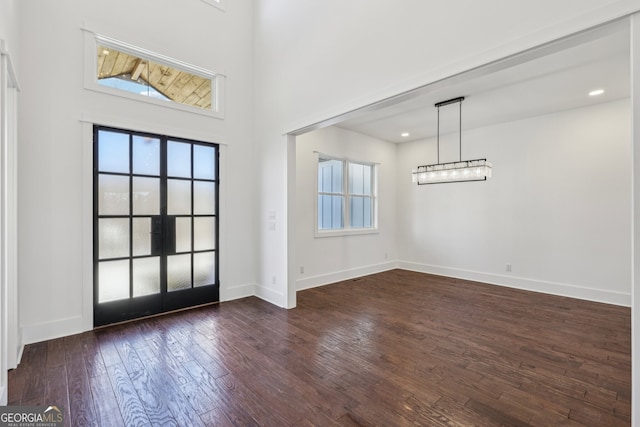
column 545, row 80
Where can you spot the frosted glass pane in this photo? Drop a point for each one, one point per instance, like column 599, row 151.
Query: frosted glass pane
column 204, row 269
column 183, row 234
column 330, row 176
column 178, row 197
column 178, row 272
column 179, row 159
column 113, row 277
column 141, row 236
column 361, row 209
column 367, row 179
column 367, row 214
column 204, row 198
column 146, row 276
column 113, row 152
column 113, row 197
column 113, row 237
column 357, row 212
column 146, row 155
column 329, row 212
column 146, row 196
column 204, row 234
column 204, row 162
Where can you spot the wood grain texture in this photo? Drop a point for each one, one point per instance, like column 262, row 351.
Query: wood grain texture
column 395, row 348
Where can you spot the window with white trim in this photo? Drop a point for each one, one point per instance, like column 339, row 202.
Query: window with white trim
column 346, row 196
column 128, row 71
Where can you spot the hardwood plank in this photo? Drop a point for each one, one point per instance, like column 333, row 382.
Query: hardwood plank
column 104, row 399
column 131, row 409
column 395, row 348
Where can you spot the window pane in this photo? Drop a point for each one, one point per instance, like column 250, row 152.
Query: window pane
column 178, row 272
column 179, row 159
column 357, row 209
column 204, row 198
column 113, row 237
column 204, row 269
column 183, row 234
column 367, row 172
column 367, row 220
column 113, row 152
column 360, row 212
column 146, row 196
column 146, row 155
column 178, row 197
column 113, row 277
column 330, row 210
column 113, row 195
column 146, row 276
column 134, row 74
column 330, row 176
column 356, row 182
column 141, row 236
column 204, row 233
column 204, row 162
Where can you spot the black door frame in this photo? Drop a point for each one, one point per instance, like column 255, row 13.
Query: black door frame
column 164, row 301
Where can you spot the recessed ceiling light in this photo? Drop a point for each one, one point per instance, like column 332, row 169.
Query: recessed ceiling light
column 596, row 92
column 105, row 52
column 404, row 134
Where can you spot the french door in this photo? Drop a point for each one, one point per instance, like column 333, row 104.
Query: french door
column 155, row 224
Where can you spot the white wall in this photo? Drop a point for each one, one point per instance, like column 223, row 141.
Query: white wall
column 9, row 334
column 330, row 259
column 55, row 165
column 557, row 207
column 317, row 60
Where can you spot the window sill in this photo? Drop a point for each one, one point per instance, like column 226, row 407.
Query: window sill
column 345, row 232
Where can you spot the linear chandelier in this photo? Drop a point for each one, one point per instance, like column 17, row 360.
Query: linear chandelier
column 460, row 171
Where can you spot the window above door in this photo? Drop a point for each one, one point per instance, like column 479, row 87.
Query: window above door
column 128, row 71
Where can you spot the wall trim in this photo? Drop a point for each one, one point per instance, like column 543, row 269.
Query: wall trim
column 534, row 285
column 237, row 292
column 269, row 295
column 51, row 330
column 339, row 276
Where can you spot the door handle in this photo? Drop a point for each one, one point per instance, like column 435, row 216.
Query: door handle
column 170, row 234
column 156, row 235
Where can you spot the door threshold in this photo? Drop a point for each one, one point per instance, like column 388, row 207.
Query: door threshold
column 97, row 328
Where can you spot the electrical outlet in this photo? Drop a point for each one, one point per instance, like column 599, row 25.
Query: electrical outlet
column 302, row 269
column 273, row 280
column 508, row 268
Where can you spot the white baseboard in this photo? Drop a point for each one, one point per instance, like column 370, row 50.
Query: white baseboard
column 338, row 276
column 237, row 292
column 51, row 330
column 270, row 296
column 561, row 289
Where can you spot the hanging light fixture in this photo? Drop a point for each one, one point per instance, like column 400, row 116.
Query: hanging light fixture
column 460, row 171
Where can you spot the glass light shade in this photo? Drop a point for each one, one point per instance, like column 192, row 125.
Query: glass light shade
column 468, row 170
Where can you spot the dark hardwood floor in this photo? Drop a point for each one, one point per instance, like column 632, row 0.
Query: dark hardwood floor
column 392, row 349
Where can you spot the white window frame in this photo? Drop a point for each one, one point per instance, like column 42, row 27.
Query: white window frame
column 93, row 39
column 346, row 230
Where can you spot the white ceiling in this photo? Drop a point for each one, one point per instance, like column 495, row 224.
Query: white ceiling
column 552, row 78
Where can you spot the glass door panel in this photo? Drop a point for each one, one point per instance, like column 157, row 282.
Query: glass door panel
column 155, row 224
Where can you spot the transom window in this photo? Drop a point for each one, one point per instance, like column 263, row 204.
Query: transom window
column 121, row 69
column 346, row 196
